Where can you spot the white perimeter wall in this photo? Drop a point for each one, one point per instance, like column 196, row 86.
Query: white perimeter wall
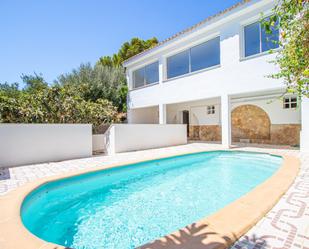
column 130, row 137
column 98, row 143
column 22, row 144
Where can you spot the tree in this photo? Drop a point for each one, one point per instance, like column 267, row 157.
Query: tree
column 34, row 82
column 293, row 58
column 127, row 50
column 56, row 104
column 98, row 82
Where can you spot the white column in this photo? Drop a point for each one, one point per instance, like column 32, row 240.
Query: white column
column 304, row 135
column 226, row 120
column 162, row 114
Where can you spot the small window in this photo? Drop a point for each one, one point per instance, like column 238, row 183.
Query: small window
column 146, row 75
column 257, row 40
column 211, row 109
column 290, row 102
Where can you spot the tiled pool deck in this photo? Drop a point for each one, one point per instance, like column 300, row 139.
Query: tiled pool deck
column 285, row 226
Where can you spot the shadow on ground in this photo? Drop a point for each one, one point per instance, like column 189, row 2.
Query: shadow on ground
column 202, row 237
column 191, row 237
column 4, row 174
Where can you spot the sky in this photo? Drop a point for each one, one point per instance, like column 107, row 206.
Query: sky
column 53, row 37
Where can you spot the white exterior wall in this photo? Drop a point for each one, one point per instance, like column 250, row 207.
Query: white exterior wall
column 198, row 111
column 304, row 136
column 274, row 108
column 234, row 75
column 22, row 144
column 149, row 115
column 130, row 137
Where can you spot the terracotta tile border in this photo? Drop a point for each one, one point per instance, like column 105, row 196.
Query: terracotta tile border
column 219, row 230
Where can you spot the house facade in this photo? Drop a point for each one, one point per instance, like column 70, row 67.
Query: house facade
column 214, row 77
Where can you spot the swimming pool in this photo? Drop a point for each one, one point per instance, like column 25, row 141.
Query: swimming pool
column 128, row 206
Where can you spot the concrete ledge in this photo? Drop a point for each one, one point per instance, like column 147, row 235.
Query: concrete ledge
column 219, row 230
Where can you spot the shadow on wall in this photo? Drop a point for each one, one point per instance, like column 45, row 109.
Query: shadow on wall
column 4, row 174
column 203, row 237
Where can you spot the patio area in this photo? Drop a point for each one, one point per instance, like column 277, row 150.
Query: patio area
column 285, row 226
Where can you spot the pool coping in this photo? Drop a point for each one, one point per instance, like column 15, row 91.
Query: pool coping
column 219, row 230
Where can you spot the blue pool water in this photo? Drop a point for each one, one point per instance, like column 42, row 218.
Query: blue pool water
column 129, row 206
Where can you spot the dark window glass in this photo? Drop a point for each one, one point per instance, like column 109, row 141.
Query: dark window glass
column 252, row 39
column 270, row 40
column 205, row 55
column 152, row 73
column 139, row 77
column 178, row 64
column 293, row 105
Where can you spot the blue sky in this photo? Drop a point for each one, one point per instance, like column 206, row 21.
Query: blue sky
column 54, row 36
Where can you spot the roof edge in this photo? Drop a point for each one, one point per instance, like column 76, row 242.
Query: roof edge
column 187, row 30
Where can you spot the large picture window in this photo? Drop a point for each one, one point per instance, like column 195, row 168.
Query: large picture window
column 146, row 75
column 196, row 58
column 257, row 40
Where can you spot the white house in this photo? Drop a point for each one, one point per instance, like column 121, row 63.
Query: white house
column 213, row 77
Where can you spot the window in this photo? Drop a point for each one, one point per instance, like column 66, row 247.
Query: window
column 178, row 64
column 290, row 102
column 196, row 58
column 205, row 55
column 257, row 40
column 139, row 78
column 146, row 75
column 211, row 109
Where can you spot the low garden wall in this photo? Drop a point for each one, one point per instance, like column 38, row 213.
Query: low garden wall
column 22, row 144
column 130, row 137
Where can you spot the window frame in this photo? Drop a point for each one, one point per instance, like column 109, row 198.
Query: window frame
column 242, row 37
column 211, row 109
column 289, row 102
column 144, row 70
column 188, row 48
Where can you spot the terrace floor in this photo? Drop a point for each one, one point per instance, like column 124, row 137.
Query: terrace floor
column 285, row 226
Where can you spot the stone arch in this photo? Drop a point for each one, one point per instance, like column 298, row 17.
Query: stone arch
column 250, row 122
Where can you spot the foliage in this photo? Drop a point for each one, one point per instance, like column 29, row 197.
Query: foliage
column 56, row 104
column 34, row 82
column 127, row 50
column 86, row 95
column 293, row 58
column 98, row 82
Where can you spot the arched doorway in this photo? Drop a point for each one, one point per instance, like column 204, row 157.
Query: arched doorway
column 250, row 122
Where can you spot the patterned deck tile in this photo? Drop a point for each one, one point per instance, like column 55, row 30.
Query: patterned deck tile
column 287, row 224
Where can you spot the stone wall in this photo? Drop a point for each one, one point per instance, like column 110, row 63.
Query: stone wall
column 285, row 134
column 205, row 132
column 250, row 122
